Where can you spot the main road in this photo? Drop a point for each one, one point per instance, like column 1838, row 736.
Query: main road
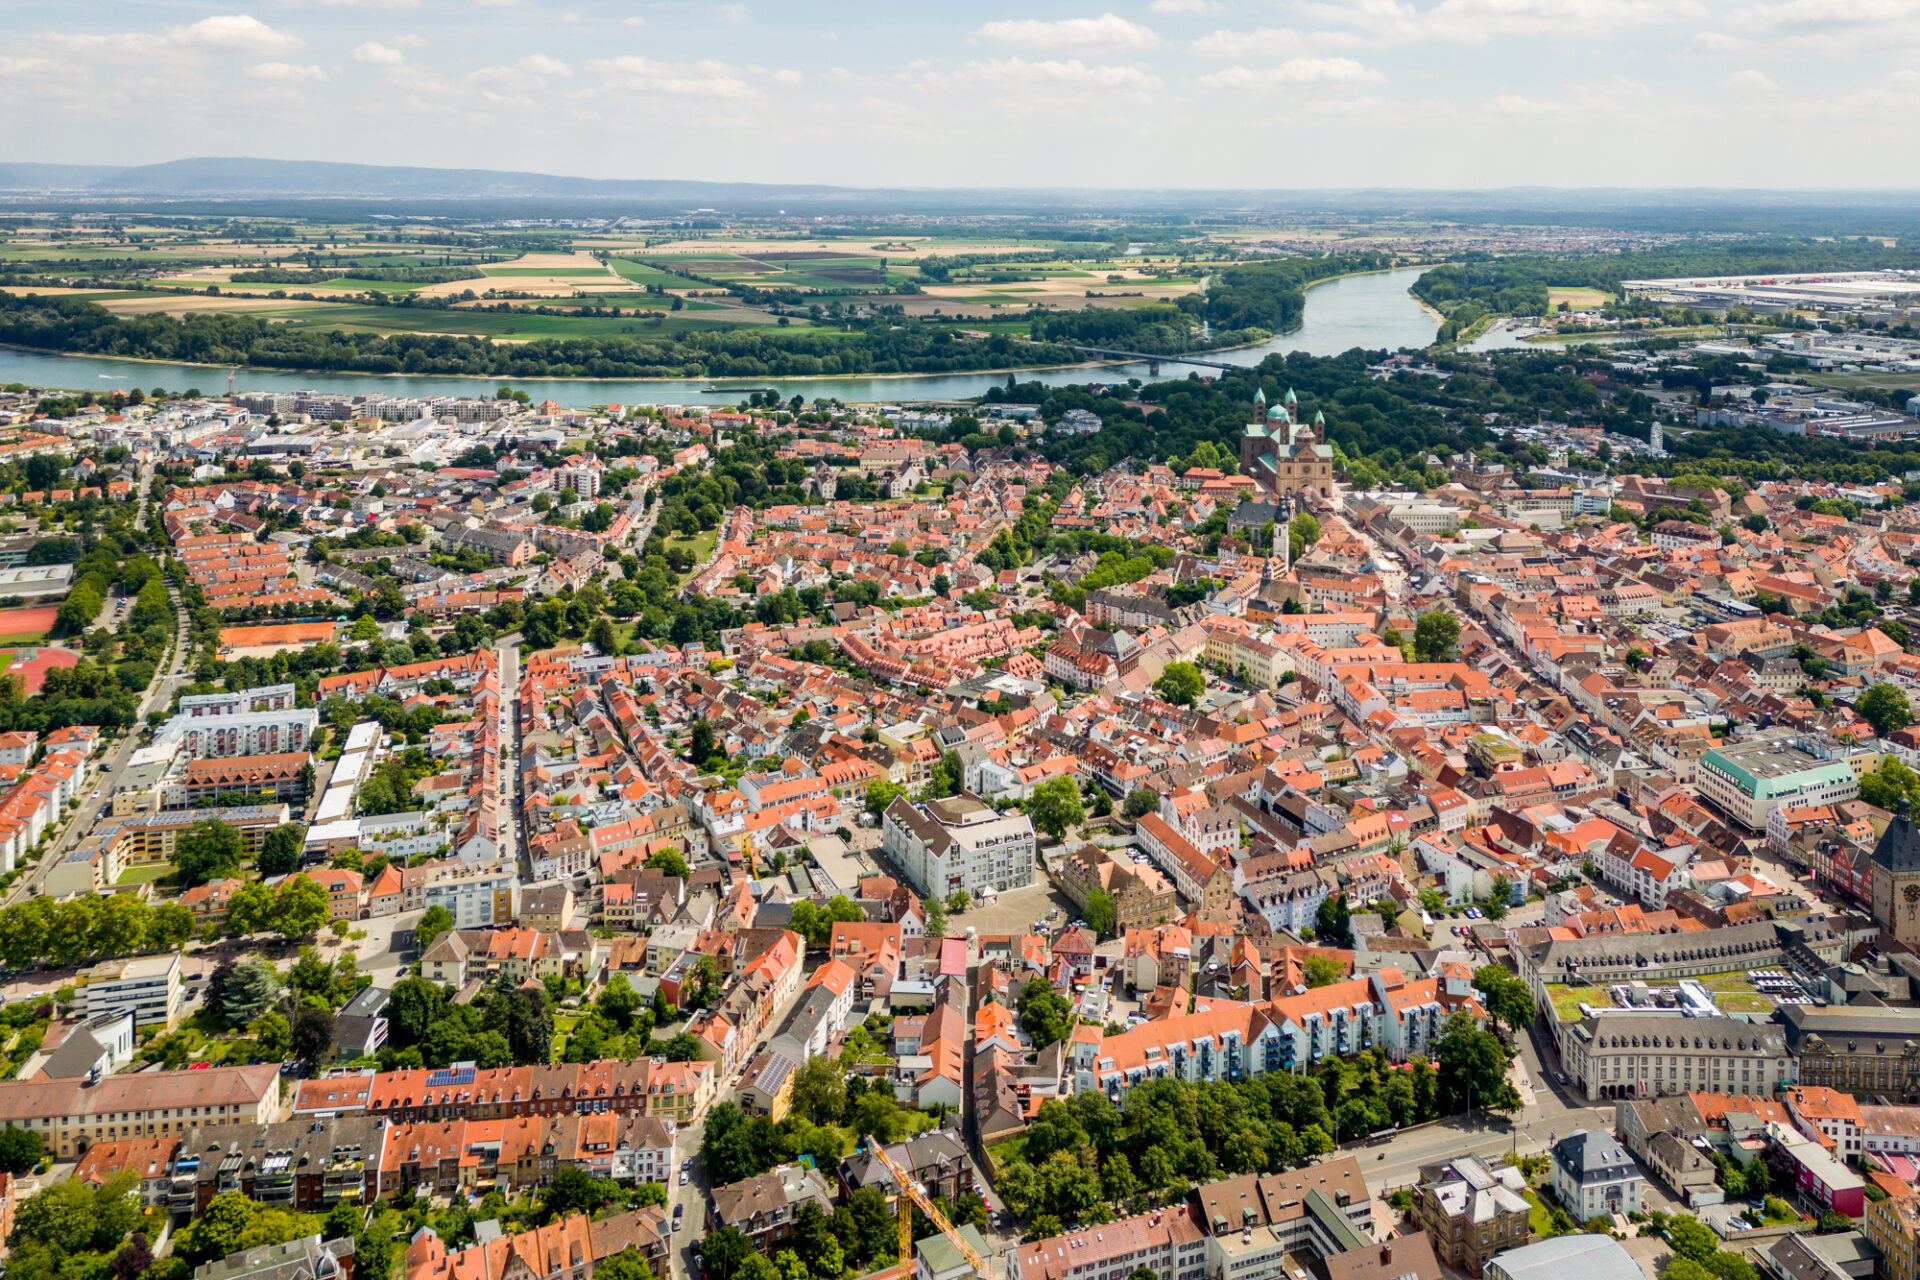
column 105, row 772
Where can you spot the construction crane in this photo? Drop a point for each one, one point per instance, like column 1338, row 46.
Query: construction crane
column 912, row 1196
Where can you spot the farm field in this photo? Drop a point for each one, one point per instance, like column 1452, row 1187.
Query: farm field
column 1578, row 299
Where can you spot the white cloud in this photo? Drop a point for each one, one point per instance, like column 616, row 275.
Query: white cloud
column 1751, row 79
column 375, row 54
column 1827, row 13
column 1181, row 6
column 234, row 33
column 496, row 4
column 285, row 72
column 1106, row 32
column 633, row 20
column 704, row 79
column 1291, row 72
column 571, row 17
column 1477, row 21
column 787, row 77
column 1714, row 44
column 408, row 41
column 367, row 4
column 541, row 65
column 1020, row 73
column 1267, row 42
column 731, row 14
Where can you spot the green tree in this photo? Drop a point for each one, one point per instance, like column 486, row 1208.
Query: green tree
column 253, row 988
column 300, row 908
column 1504, row 994
column 1181, row 684
column 1044, row 1013
column 1691, row 1239
column 880, row 794
column 434, row 921
column 1332, row 922
column 1098, row 913
column 574, row 1190
column 1140, row 802
column 669, row 862
column 280, row 850
column 366, row 627
column 208, row 851
column 1885, row 708
column 701, row 746
column 1055, row 806
column 1473, row 1067
column 820, row 1090
column 1499, row 898
column 272, row 1033
column 1323, row 971
column 1434, row 636
column 20, row 1150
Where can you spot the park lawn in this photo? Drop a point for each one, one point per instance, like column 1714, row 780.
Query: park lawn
column 25, row 637
column 1539, row 1217
column 700, row 546
column 1567, row 1001
column 1011, row 1149
column 146, row 874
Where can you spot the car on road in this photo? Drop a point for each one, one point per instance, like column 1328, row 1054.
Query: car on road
column 678, row 1210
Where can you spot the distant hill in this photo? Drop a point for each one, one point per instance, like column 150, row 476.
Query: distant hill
column 245, row 176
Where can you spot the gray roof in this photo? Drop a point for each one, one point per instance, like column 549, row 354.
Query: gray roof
column 1586, row 1256
column 304, row 1259
column 1899, row 847
column 1589, row 1155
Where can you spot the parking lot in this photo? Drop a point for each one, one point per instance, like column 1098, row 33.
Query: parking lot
column 1013, row 911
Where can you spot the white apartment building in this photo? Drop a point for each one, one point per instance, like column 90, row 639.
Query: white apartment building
column 239, row 702
column 959, row 843
column 580, row 477
column 1594, row 1176
column 148, row 987
column 256, row 733
column 476, row 896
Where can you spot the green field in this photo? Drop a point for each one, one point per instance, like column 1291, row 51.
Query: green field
column 543, row 271
column 146, row 874
column 502, row 324
column 641, row 273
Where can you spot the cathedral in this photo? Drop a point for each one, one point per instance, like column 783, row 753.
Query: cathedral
column 1284, row 457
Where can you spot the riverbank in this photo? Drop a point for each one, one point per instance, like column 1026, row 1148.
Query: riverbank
column 1371, row 310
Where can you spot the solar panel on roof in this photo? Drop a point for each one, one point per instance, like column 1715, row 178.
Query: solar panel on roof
column 450, row 1075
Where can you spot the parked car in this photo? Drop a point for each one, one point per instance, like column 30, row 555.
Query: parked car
column 677, row 1211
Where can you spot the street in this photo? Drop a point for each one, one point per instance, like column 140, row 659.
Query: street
column 104, row 773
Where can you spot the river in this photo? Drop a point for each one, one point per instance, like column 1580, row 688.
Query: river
column 1374, row 311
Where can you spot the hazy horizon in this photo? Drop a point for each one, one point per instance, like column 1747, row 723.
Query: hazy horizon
column 1206, row 95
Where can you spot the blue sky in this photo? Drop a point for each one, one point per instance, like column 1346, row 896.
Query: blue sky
column 1160, row 93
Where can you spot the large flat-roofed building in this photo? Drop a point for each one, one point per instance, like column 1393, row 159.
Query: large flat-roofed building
column 148, row 987
column 1748, row 782
column 238, row 702
column 959, row 843
column 72, row 1115
column 1590, row 1257
column 1621, row 1054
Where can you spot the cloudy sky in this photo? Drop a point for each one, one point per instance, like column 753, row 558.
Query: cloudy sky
column 1153, row 93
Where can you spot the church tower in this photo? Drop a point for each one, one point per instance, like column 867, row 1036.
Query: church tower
column 1319, row 427
column 1896, row 878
